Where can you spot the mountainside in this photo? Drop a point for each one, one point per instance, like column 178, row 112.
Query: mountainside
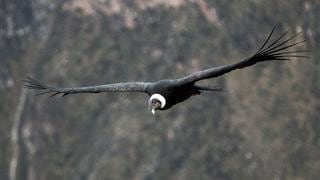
column 264, row 125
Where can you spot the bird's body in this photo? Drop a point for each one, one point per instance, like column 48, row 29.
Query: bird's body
column 172, row 93
column 166, row 93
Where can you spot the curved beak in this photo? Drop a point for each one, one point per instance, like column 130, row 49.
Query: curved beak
column 154, row 107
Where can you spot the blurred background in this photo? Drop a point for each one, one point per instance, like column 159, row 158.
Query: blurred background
column 265, row 125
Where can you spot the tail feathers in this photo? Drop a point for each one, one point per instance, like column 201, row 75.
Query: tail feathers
column 208, row 88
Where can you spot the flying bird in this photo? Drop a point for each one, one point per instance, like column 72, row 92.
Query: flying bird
column 168, row 92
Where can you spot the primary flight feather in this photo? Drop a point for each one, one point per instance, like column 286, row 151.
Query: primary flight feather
column 166, row 93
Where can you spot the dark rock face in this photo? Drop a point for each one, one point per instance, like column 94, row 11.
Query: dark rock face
column 264, row 126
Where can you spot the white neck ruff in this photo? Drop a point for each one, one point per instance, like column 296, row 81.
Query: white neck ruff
column 160, row 98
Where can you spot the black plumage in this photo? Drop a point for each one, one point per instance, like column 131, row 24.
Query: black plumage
column 166, row 93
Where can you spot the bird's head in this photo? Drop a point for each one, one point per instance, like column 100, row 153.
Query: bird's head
column 156, row 102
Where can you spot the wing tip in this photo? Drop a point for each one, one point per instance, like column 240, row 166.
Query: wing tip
column 33, row 84
column 279, row 48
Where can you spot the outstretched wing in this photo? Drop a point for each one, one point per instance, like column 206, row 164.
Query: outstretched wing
column 278, row 50
column 31, row 83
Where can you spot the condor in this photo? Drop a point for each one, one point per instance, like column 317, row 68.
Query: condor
column 166, row 93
